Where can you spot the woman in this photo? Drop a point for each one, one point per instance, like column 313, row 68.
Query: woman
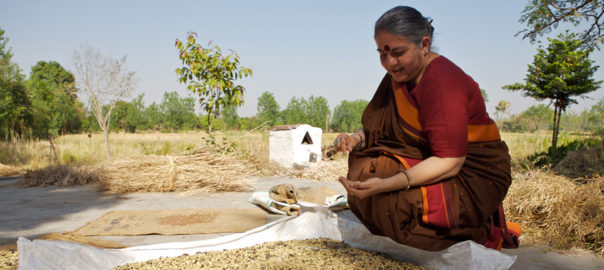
column 428, row 169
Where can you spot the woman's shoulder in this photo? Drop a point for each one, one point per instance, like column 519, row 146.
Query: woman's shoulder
column 443, row 64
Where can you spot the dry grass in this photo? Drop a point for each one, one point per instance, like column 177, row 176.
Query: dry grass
column 556, row 211
column 582, row 163
column 208, row 169
column 222, row 165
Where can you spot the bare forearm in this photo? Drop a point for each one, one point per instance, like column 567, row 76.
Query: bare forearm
column 429, row 171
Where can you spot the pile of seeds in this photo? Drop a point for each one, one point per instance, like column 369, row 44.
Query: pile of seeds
column 9, row 259
column 301, row 254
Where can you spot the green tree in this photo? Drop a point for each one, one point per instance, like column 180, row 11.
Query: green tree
column 268, row 109
column 295, row 112
column 249, row 123
column 15, row 105
column 211, row 75
column 596, row 115
column 135, row 115
column 542, row 16
column 119, row 117
column 55, row 105
column 317, row 111
column 347, row 115
column 153, row 117
column 179, row 113
column 560, row 72
column 106, row 81
column 230, row 116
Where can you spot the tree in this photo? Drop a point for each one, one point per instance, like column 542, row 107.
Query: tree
column 179, row 113
column 15, row 113
column 135, row 114
column 502, row 109
column 542, row 16
column 295, row 112
column 153, row 116
column 347, row 115
column 558, row 73
column 106, row 81
column 55, row 106
column 313, row 111
column 211, row 75
column 596, row 114
column 268, row 109
column 230, row 116
column 317, row 111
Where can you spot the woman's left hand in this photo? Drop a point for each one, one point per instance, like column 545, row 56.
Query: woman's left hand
column 363, row 189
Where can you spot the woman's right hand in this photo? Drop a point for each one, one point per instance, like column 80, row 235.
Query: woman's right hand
column 345, row 143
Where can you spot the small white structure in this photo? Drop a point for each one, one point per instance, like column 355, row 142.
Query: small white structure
column 295, row 145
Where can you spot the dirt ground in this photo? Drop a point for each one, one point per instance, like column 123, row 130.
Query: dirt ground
column 32, row 212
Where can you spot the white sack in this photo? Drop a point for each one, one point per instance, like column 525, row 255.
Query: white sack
column 314, row 222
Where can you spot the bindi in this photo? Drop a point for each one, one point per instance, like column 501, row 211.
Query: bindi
column 387, row 48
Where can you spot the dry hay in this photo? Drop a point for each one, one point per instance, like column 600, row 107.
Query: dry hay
column 60, row 175
column 557, row 211
column 205, row 170
column 6, row 170
column 582, row 163
column 296, row 254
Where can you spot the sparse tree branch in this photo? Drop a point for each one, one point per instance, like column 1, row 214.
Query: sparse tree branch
column 542, row 16
column 105, row 81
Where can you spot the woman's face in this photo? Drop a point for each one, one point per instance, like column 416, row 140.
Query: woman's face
column 404, row 60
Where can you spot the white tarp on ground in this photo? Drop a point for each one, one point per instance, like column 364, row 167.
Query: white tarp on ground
column 314, row 222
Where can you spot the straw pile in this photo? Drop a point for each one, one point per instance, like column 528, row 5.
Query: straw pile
column 587, row 163
column 208, row 169
column 205, row 170
column 301, row 254
column 60, row 175
column 556, row 211
column 6, row 170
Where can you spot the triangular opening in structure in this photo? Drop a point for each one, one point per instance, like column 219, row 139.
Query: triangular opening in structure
column 307, row 139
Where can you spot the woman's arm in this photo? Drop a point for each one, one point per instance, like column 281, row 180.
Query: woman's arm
column 429, row 171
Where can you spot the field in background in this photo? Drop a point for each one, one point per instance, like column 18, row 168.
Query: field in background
column 79, row 149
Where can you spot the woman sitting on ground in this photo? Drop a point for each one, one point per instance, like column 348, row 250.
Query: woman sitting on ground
column 428, row 169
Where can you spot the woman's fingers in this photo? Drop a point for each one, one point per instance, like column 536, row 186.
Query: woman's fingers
column 344, row 143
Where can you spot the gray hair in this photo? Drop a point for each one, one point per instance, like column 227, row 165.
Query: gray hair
column 407, row 22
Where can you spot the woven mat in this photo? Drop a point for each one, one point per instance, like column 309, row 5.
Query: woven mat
column 174, row 221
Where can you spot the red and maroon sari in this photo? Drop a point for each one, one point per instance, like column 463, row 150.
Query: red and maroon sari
column 444, row 115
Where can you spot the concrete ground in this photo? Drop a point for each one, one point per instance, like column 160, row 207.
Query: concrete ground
column 32, row 212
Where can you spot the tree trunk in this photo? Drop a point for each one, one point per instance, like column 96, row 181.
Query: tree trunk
column 555, row 127
column 558, row 125
column 210, row 123
column 106, row 133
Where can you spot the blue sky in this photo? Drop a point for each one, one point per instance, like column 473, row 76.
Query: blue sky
column 295, row 48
